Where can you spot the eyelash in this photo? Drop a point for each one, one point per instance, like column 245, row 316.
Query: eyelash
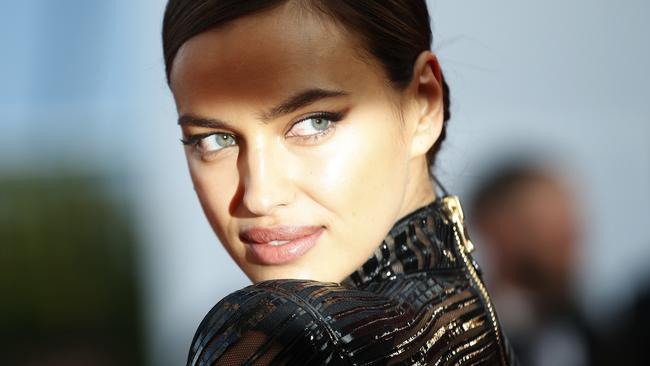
column 333, row 117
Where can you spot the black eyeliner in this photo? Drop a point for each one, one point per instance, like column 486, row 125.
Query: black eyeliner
column 193, row 139
column 331, row 116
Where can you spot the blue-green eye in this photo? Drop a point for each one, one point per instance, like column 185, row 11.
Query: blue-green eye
column 310, row 126
column 211, row 142
column 314, row 126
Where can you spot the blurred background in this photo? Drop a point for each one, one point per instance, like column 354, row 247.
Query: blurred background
column 106, row 258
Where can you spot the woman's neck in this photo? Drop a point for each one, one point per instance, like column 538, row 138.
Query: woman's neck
column 420, row 190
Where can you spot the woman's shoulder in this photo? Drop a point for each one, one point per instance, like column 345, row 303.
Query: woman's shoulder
column 270, row 320
column 408, row 319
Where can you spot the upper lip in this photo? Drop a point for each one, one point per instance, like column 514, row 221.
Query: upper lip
column 263, row 235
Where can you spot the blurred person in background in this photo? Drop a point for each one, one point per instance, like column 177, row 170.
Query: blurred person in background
column 528, row 216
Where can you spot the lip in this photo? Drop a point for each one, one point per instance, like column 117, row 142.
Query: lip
column 266, row 247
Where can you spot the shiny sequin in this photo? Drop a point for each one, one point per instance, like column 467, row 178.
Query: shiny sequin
column 412, row 303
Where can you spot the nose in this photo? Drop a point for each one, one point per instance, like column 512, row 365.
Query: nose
column 264, row 174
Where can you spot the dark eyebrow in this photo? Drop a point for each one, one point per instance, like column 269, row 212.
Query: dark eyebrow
column 293, row 103
column 189, row 120
column 299, row 100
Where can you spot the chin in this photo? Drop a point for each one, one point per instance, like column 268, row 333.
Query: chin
column 265, row 273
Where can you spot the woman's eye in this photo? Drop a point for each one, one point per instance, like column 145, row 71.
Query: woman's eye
column 212, row 142
column 310, row 126
column 313, row 126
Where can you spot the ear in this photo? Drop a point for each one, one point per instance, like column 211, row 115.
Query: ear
column 426, row 88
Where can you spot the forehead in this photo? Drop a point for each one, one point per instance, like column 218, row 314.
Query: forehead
column 268, row 55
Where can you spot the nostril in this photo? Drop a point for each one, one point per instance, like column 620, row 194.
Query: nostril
column 262, row 196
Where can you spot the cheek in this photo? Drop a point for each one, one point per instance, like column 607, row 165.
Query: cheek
column 364, row 165
column 216, row 187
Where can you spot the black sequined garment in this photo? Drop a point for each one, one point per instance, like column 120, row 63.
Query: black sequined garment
column 418, row 300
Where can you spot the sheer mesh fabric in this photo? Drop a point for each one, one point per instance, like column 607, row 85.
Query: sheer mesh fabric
column 412, row 303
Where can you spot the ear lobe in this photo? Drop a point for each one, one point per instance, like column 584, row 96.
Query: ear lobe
column 427, row 87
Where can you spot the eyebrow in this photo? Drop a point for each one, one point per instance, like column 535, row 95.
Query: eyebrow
column 291, row 104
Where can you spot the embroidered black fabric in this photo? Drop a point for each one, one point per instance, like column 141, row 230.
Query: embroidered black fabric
column 413, row 302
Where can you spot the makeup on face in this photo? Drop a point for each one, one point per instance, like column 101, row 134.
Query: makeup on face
column 294, row 145
column 280, row 244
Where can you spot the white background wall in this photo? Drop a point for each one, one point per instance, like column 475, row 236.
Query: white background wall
column 83, row 83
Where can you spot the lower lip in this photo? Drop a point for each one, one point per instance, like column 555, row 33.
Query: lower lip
column 281, row 254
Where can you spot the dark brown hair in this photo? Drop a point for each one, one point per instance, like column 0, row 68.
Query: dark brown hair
column 393, row 31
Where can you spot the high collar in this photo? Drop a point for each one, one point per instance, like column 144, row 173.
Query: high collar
column 420, row 241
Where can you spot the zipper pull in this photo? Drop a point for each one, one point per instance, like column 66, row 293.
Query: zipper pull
column 455, row 212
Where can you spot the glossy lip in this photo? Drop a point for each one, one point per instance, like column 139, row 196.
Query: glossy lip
column 300, row 239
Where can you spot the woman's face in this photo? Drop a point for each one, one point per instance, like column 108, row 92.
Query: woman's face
column 300, row 152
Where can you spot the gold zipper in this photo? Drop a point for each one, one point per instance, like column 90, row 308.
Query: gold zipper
column 466, row 247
